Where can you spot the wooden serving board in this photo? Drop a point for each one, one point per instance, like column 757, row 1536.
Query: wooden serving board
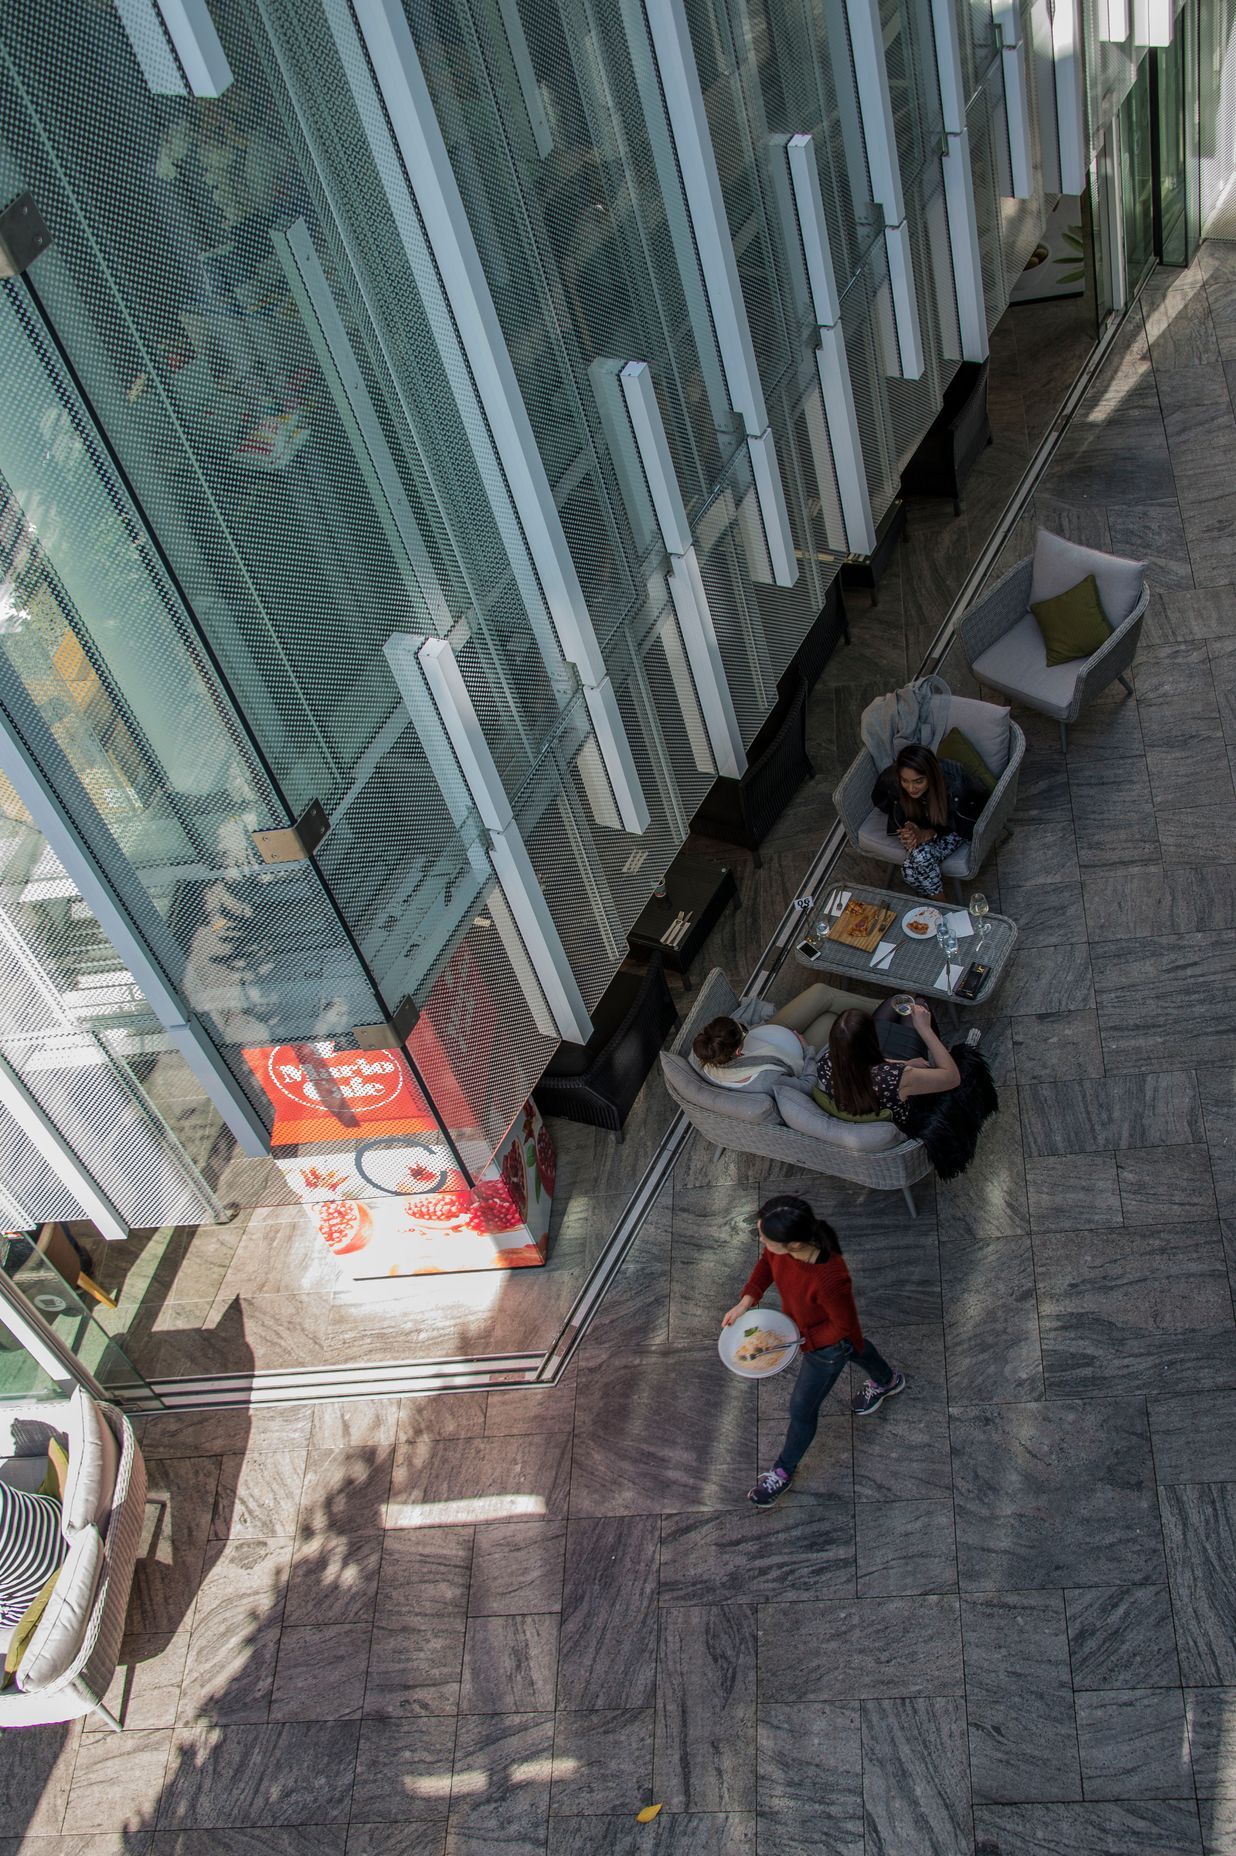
column 861, row 924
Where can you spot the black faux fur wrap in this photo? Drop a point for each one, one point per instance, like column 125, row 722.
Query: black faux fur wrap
column 949, row 1125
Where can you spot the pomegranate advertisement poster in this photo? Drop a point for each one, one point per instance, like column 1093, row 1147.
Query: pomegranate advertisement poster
column 362, row 1153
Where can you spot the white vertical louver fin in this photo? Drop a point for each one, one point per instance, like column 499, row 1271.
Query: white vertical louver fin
column 1154, row 22
column 437, row 698
column 1116, row 15
column 525, row 76
column 1006, row 15
column 959, row 187
column 832, row 359
column 697, row 163
column 686, row 587
column 396, row 69
column 1069, row 76
column 59, row 1156
column 176, row 44
column 880, row 140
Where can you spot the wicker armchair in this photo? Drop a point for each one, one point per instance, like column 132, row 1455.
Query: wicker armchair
column 867, row 832
column 744, row 811
column 597, row 1082
column 724, row 1120
column 1004, row 649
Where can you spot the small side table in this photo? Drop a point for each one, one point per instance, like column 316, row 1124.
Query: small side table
column 696, row 887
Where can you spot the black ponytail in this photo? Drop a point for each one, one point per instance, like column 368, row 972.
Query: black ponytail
column 789, row 1220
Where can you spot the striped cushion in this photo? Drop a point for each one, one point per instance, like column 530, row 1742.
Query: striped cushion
column 31, row 1548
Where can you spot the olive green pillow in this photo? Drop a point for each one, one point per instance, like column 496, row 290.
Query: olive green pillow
column 24, row 1630
column 56, row 1473
column 830, row 1108
column 1073, row 624
column 959, row 747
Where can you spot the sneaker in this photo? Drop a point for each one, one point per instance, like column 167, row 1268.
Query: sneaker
column 772, row 1483
column 873, row 1396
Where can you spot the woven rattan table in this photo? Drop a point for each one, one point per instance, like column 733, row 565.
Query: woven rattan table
column 915, row 965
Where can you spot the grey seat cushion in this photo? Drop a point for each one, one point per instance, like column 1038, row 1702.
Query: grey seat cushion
column 1061, row 564
column 1017, row 665
column 737, row 1104
column 875, row 838
column 807, row 1117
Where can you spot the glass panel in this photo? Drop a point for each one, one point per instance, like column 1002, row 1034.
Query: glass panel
column 1168, row 75
column 1137, row 178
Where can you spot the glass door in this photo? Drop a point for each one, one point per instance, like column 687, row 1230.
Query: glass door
column 1173, row 104
column 1137, row 178
column 50, row 1335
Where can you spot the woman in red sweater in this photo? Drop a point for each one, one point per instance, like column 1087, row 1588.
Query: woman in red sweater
column 803, row 1257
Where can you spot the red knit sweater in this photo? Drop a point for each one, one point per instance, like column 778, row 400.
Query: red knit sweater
column 818, row 1297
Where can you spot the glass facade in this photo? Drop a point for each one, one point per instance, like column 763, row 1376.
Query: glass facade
column 329, row 361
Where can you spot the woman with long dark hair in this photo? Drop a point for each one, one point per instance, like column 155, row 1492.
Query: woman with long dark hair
column 802, row 1255
column 932, row 806
column 857, row 1079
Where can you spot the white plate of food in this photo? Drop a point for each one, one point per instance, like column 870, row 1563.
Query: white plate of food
column 759, row 1344
column 921, row 923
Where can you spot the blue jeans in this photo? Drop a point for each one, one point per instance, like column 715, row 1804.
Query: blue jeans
column 818, row 1373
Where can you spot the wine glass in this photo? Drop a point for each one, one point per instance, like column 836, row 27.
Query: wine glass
column 979, row 907
column 902, row 1003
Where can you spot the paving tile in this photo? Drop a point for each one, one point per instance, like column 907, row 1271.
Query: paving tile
column 145, row 1690
column 1165, row 1185
column 234, row 1642
column 179, row 1506
column 1199, row 1531
column 293, row 1773
column 500, row 1791
column 1156, row 1109
column 803, row 1548
column 510, row 1665
column 36, row 1772
column 1121, row 1637
column 1115, row 1314
column 348, row 1468
column 1186, row 1450
column 1051, row 979
column 1066, row 1191
column 403, row 1771
column 1046, row 1492
column 392, row 1839
column 117, row 1781
column 517, row 1568
column 811, row 1777
column 607, row 1657
column 706, row 1685
column 1216, row 1086
column 1023, row 1742
column 1149, row 1829
column 1051, row 1046
column 990, row 1198
column 1133, row 1744
column 902, row 1453
column 905, row 1547
column 247, row 1840
column 602, row 1762
column 689, row 1833
column 321, row 1673
column 333, row 1580
column 453, row 1482
column 425, row 1572
column 850, row 1649
column 700, row 1452
column 1211, row 1717
column 991, row 1320
column 415, row 1668
column 915, row 1777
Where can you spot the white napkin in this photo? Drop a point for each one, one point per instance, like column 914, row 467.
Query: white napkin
column 841, row 901
column 948, row 976
column 882, row 952
column 961, row 923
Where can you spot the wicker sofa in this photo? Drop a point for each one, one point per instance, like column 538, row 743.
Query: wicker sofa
column 72, row 1656
column 877, row 1156
column 866, row 828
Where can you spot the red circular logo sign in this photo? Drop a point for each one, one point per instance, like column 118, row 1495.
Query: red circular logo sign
column 354, row 1081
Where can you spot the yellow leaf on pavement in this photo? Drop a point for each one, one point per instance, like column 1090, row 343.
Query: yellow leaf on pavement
column 648, row 1813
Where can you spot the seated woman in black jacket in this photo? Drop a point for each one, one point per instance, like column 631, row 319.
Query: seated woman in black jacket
column 932, row 806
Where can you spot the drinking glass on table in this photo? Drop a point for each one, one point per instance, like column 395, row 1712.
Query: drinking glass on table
column 948, row 944
column 979, row 907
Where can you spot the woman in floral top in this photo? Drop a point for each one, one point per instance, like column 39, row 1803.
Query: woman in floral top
column 859, row 1080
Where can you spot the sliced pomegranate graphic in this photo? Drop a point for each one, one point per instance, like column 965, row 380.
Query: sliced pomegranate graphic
column 344, row 1225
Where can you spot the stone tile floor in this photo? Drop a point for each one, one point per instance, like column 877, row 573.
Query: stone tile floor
column 999, row 1619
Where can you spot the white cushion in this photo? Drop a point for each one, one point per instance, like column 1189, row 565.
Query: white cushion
column 94, row 1457
column 738, row 1104
column 875, row 838
column 807, row 1117
column 1060, row 565
column 1017, row 664
column 985, row 726
column 62, row 1627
